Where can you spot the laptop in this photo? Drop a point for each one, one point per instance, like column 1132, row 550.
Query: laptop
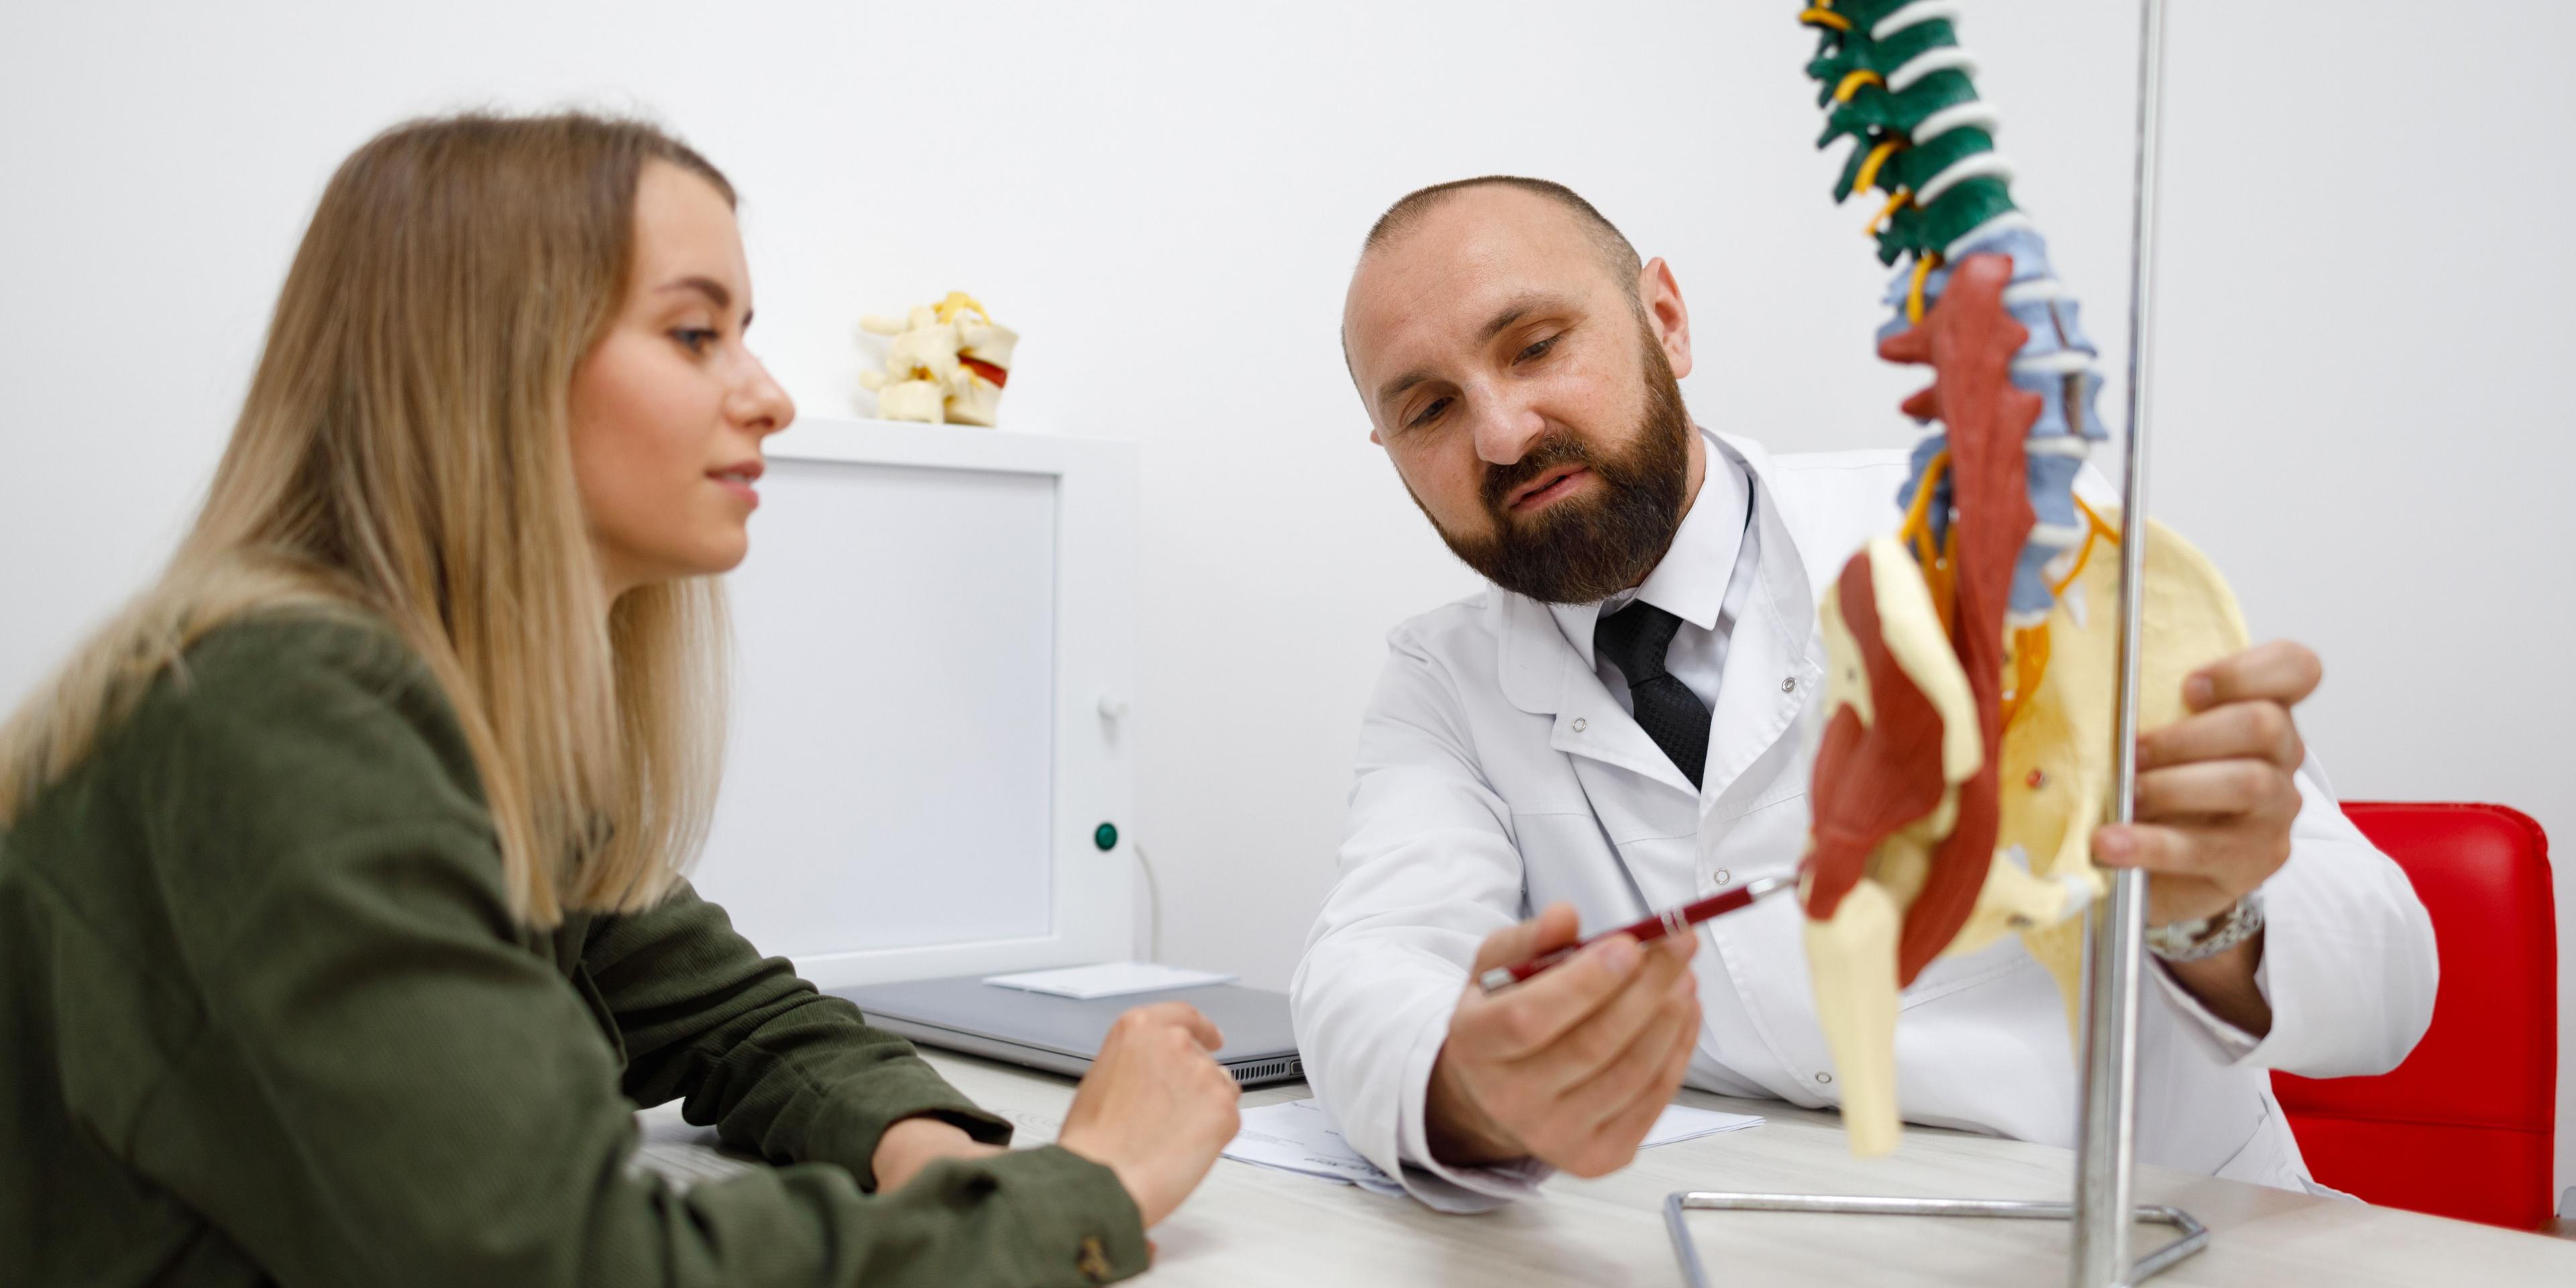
column 1063, row 1034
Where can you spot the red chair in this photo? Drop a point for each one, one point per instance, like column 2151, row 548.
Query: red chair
column 2466, row 1127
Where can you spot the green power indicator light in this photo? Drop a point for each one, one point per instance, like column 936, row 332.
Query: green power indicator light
column 1105, row 836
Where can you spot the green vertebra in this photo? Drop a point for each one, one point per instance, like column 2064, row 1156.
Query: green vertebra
column 1874, row 115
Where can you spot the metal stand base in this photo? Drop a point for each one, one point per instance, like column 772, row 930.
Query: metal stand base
column 2194, row 1235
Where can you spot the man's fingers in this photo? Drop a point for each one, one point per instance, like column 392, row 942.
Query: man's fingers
column 1645, row 1061
column 1618, row 1138
column 2282, row 671
column 1551, row 929
column 1596, row 1042
column 2215, row 790
column 2150, row 846
column 2204, row 867
column 2258, row 730
column 1531, row 1015
column 2230, row 857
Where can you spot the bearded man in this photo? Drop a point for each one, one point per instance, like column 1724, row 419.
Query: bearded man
column 1624, row 721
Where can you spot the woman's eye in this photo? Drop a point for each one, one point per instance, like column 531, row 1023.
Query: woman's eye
column 695, row 339
column 1539, row 350
column 1428, row 414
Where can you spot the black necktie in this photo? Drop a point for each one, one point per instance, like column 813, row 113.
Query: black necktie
column 1634, row 639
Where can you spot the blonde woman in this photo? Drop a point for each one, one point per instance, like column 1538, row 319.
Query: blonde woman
column 340, row 923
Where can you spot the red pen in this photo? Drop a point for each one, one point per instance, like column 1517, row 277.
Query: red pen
column 1671, row 921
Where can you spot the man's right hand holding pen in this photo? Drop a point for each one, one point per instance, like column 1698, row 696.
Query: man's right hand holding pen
column 1570, row 1067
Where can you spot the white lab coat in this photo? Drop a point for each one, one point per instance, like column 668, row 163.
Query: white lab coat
column 1496, row 775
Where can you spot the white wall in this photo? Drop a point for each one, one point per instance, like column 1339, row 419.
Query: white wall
column 2368, row 278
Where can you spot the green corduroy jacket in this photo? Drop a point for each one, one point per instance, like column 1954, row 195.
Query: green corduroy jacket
column 266, row 1017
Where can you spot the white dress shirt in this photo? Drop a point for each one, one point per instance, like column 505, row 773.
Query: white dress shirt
column 1702, row 579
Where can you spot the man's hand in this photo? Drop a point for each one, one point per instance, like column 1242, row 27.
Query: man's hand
column 915, row 1143
column 2215, row 802
column 1572, row 1066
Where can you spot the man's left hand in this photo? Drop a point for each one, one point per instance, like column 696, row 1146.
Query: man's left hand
column 2215, row 795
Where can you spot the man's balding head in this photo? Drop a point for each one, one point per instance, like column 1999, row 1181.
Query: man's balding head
column 1618, row 254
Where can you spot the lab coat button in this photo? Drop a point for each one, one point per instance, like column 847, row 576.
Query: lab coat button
column 1789, row 685
column 1824, row 1077
column 1721, row 876
column 1578, row 724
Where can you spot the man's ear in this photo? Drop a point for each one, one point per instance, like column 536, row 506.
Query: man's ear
column 1375, row 438
column 1661, row 298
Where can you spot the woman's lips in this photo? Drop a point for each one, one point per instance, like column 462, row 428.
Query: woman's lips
column 739, row 485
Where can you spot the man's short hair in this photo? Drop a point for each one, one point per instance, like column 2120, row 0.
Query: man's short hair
column 1618, row 255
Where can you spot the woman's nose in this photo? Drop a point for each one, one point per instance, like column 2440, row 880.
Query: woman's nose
column 761, row 404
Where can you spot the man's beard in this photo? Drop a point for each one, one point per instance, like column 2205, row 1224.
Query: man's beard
column 1586, row 548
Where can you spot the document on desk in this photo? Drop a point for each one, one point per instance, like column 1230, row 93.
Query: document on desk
column 1108, row 979
column 1298, row 1136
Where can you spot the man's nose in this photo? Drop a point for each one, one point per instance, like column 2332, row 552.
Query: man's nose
column 1505, row 427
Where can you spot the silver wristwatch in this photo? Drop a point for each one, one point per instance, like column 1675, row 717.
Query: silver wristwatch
column 2189, row 941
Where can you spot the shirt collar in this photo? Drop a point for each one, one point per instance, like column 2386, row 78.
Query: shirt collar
column 1690, row 580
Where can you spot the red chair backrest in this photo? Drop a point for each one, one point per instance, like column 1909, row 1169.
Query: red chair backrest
column 2466, row 1127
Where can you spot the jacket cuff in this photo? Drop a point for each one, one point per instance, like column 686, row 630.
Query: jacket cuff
column 1082, row 1227
column 860, row 1112
column 2237, row 1046
column 1439, row 1186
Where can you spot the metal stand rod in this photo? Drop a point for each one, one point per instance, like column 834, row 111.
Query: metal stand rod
column 2106, row 1147
column 2192, row 1236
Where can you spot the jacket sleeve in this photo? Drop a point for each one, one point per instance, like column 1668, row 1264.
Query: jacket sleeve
column 389, row 1088
column 2349, row 964
column 775, row 1066
column 1428, row 869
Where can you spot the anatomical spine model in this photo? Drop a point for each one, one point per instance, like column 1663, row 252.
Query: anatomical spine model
column 1966, row 755
column 947, row 362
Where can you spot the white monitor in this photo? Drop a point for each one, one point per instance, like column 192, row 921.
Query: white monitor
column 932, row 642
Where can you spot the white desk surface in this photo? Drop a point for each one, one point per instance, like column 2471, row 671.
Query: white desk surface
column 1248, row 1227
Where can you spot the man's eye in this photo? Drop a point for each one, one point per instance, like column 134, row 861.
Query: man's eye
column 1428, row 414
column 695, row 339
column 1539, row 349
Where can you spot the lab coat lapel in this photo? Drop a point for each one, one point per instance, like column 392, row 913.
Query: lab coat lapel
column 1774, row 659
column 1543, row 674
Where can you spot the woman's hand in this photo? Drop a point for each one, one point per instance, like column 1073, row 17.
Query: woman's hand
column 916, row 1143
column 1155, row 1109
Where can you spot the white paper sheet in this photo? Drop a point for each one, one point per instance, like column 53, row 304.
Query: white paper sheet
column 1108, row 979
column 1681, row 1122
column 1298, row 1136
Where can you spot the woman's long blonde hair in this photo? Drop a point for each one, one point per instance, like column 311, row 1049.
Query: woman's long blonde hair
column 404, row 452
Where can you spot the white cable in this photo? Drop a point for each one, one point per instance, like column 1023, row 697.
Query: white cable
column 1153, row 905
